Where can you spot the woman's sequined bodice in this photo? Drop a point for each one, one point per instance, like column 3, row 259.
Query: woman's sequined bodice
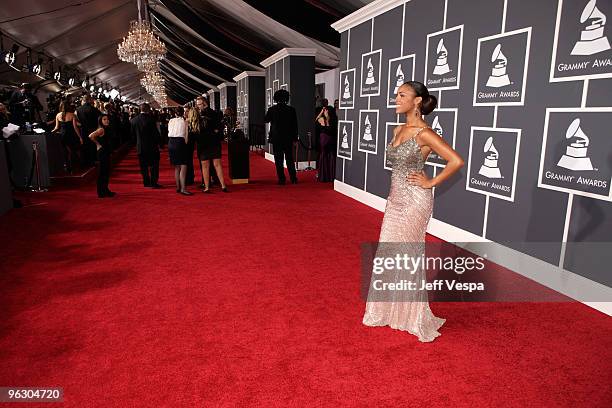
column 405, row 158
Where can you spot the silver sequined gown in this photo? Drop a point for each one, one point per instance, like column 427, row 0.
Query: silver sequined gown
column 407, row 214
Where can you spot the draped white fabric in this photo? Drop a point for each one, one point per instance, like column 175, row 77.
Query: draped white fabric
column 210, row 41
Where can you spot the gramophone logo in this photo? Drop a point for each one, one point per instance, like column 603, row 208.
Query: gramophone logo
column 370, row 73
column 345, row 139
column 367, row 132
column 399, row 78
column 493, row 161
column 347, row 89
column 344, row 144
column 370, row 76
column 401, row 70
column 443, row 124
column 435, row 125
column 443, row 58
column 499, row 77
column 592, row 38
column 489, row 168
column 578, row 163
column 575, row 157
column 502, row 62
column 582, row 46
column 441, row 67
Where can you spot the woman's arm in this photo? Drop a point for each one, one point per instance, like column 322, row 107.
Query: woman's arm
column 95, row 135
column 437, row 144
column 319, row 115
column 185, row 132
column 75, row 125
column 56, row 124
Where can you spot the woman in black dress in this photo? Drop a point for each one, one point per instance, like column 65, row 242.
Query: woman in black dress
column 66, row 123
column 101, row 137
column 209, row 143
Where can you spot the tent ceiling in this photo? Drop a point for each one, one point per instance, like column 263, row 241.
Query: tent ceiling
column 208, row 41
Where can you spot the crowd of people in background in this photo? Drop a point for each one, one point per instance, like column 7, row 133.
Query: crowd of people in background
column 91, row 128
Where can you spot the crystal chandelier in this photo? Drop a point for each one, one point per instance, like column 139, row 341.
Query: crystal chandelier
column 152, row 80
column 141, row 47
column 154, row 83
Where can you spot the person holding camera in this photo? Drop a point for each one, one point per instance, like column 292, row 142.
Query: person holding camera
column 24, row 106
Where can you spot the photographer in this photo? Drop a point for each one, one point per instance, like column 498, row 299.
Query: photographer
column 24, row 106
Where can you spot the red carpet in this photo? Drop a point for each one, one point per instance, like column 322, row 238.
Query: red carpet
column 251, row 298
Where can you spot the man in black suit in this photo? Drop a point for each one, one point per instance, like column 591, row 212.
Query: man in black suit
column 144, row 129
column 283, row 134
column 88, row 118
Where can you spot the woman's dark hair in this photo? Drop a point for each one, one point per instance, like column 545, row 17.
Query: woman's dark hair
column 281, row 96
column 100, row 125
column 429, row 103
column 65, row 107
column 179, row 112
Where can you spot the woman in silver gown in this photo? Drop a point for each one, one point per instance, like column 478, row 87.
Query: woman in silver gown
column 409, row 208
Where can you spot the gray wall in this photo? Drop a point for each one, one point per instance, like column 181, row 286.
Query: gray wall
column 527, row 208
column 297, row 74
column 251, row 108
column 214, row 98
column 227, row 97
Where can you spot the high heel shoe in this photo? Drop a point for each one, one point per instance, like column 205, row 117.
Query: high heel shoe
column 224, row 189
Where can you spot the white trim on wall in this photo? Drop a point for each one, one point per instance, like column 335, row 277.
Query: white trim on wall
column 285, row 52
column 366, row 13
column 245, row 74
column 544, row 273
column 226, row 84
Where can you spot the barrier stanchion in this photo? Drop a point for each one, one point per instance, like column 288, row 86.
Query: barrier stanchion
column 295, row 156
column 308, row 148
column 308, row 166
column 39, row 188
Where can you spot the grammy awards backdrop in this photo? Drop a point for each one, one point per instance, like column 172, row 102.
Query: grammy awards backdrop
column 524, row 91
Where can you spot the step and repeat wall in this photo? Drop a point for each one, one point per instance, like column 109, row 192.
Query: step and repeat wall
column 525, row 97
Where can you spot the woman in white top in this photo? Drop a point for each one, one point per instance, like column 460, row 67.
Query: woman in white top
column 177, row 148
